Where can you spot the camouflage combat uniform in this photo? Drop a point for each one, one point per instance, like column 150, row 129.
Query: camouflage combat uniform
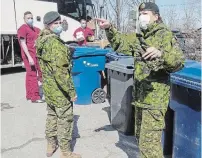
column 55, row 61
column 151, row 82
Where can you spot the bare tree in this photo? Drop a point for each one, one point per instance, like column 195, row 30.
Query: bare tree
column 186, row 17
column 98, row 5
column 190, row 17
column 171, row 18
column 193, row 44
column 117, row 13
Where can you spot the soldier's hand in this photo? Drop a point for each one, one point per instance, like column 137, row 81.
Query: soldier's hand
column 103, row 23
column 152, row 53
column 74, row 99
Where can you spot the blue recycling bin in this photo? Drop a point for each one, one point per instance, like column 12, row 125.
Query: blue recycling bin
column 88, row 63
column 186, row 104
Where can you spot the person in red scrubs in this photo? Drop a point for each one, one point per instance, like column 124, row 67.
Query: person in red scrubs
column 83, row 34
column 27, row 35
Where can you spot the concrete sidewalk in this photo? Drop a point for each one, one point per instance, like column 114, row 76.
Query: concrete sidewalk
column 23, row 126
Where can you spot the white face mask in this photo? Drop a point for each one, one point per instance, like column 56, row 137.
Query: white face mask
column 144, row 21
column 83, row 26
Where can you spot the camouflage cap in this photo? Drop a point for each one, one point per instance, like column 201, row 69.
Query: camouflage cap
column 50, row 17
column 149, row 6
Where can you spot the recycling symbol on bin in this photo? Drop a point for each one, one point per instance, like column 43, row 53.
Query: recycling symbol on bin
column 87, row 64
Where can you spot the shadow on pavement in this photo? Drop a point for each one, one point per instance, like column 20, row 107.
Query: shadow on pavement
column 106, row 127
column 126, row 143
column 22, row 145
column 7, row 71
column 75, row 133
column 129, row 145
column 168, row 132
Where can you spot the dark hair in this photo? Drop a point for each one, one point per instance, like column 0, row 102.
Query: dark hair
column 89, row 18
column 159, row 20
column 26, row 13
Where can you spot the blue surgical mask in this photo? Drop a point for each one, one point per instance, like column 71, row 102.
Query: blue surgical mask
column 58, row 30
column 30, row 22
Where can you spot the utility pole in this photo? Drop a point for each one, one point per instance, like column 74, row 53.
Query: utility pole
column 118, row 17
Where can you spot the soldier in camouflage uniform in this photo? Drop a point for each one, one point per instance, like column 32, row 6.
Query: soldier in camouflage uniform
column 156, row 54
column 55, row 61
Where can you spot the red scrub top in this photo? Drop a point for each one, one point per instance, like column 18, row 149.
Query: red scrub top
column 86, row 31
column 30, row 34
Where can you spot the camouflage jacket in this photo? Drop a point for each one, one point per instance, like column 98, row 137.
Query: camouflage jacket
column 55, row 62
column 151, row 78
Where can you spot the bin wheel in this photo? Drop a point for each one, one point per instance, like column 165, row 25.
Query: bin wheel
column 99, row 96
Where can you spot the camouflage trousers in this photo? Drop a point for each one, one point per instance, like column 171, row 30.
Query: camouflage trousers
column 149, row 125
column 59, row 125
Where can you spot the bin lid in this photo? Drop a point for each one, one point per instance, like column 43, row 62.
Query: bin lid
column 84, row 48
column 189, row 76
column 123, row 65
column 88, row 51
column 116, row 56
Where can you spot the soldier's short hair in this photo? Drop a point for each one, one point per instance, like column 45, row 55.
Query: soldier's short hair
column 26, row 13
